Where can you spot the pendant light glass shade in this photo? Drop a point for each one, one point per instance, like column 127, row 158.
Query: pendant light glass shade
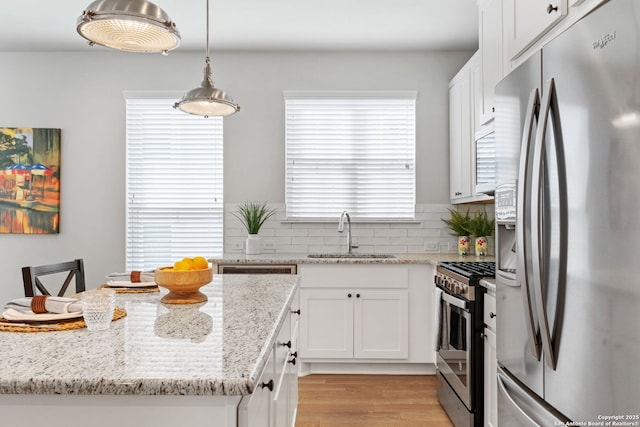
column 129, row 25
column 207, row 100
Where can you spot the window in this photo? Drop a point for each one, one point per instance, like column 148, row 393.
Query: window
column 173, row 184
column 353, row 151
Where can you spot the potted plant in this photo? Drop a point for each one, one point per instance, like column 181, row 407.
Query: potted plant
column 481, row 227
column 459, row 226
column 253, row 215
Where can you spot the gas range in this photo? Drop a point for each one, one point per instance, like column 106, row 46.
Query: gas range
column 462, row 278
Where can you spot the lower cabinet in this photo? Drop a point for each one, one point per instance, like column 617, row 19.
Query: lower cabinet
column 274, row 400
column 373, row 314
column 355, row 323
column 490, row 363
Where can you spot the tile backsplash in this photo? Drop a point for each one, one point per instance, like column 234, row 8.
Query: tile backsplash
column 279, row 236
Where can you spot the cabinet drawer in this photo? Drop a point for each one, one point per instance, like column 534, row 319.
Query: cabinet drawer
column 490, row 311
column 354, row 276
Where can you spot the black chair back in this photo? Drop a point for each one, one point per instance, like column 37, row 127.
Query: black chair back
column 32, row 282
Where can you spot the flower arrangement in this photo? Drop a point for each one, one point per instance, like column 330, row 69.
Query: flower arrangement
column 253, row 215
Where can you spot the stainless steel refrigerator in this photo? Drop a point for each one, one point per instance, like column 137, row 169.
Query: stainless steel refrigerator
column 568, row 234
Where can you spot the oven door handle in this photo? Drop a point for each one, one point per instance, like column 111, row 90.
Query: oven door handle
column 454, row 301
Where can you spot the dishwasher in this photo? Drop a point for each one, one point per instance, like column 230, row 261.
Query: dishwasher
column 257, row 269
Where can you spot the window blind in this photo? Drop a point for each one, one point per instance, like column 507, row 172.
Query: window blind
column 353, row 151
column 174, row 184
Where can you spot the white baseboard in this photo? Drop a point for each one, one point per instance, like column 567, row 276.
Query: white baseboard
column 307, row 368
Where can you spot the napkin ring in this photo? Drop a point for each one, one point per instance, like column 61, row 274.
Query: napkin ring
column 38, row 304
column 135, row 277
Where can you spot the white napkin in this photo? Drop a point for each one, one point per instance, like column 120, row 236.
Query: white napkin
column 56, row 305
column 147, row 278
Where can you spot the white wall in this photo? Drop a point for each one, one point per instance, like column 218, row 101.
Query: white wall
column 82, row 94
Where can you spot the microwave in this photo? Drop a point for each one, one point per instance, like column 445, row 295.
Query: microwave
column 485, row 160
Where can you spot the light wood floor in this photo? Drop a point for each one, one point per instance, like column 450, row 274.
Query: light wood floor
column 369, row 400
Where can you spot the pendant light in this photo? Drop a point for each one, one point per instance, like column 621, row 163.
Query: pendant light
column 207, row 100
column 129, row 25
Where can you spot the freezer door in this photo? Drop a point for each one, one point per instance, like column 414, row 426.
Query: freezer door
column 518, row 344
column 593, row 305
column 518, row 407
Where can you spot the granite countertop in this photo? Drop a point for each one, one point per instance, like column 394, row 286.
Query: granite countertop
column 214, row 348
column 273, row 258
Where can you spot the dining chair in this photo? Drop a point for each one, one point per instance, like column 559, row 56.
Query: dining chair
column 32, row 283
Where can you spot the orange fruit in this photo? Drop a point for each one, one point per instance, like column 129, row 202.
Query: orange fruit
column 182, row 266
column 200, row 263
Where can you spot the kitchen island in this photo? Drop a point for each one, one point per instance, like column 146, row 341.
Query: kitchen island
column 161, row 365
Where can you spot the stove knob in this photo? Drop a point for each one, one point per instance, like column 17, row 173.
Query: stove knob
column 447, row 284
column 457, row 288
column 463, row 290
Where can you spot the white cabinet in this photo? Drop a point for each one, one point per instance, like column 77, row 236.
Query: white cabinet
column 256, row 410
column 274, row 400
column 460, row 133
column 528, row 20
column 490, row 362
column 358, row 313
column 490, row 41
column 359, row 323
column 464, row 90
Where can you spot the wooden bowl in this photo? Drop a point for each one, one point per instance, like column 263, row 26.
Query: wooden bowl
column 184, row 286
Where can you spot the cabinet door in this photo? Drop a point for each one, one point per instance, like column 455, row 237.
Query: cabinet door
column 490, row 14
column 528, row 20
column 326, row 323
column 381, row 324
column 460, row 136
column 490, row 380
column 256, row 410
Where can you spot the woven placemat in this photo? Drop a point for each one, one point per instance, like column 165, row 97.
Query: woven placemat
column 131, row 290
column 66, row 325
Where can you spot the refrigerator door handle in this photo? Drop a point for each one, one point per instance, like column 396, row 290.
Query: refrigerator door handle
column 542, row 272
column 523, row 205
column 529, row 410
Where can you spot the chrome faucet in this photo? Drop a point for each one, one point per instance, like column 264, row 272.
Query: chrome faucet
column 344, row 215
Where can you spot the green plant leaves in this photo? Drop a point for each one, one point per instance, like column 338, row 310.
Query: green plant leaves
column 253, row 215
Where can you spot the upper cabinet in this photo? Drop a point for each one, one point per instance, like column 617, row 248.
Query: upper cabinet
column 526, row 21
column 460, row 132
column 465, row 97
column 491, row 58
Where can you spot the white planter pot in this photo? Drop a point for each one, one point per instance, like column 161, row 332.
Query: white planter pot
column 253, row 245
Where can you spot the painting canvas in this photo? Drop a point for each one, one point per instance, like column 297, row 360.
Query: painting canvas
column 29, row 180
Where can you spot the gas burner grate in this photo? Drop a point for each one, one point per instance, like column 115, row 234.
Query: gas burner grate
column 471, row 268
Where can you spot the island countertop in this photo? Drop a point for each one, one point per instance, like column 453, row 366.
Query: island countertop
column 214, row 348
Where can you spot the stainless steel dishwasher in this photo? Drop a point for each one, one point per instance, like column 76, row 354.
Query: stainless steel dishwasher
column 257, row 269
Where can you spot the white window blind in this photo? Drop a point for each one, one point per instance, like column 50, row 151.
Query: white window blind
column 174, row 184
column 353, row 151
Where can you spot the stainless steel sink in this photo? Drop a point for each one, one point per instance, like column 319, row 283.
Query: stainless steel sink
column 350, row 256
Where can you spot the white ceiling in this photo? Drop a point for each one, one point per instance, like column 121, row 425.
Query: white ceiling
column 49, row 25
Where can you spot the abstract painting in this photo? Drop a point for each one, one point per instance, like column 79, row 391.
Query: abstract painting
column 29, row 180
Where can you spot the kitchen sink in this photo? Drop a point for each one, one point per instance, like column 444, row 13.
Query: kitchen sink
column 350, row 256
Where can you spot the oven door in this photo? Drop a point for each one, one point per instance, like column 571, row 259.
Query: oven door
column 454, row 351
